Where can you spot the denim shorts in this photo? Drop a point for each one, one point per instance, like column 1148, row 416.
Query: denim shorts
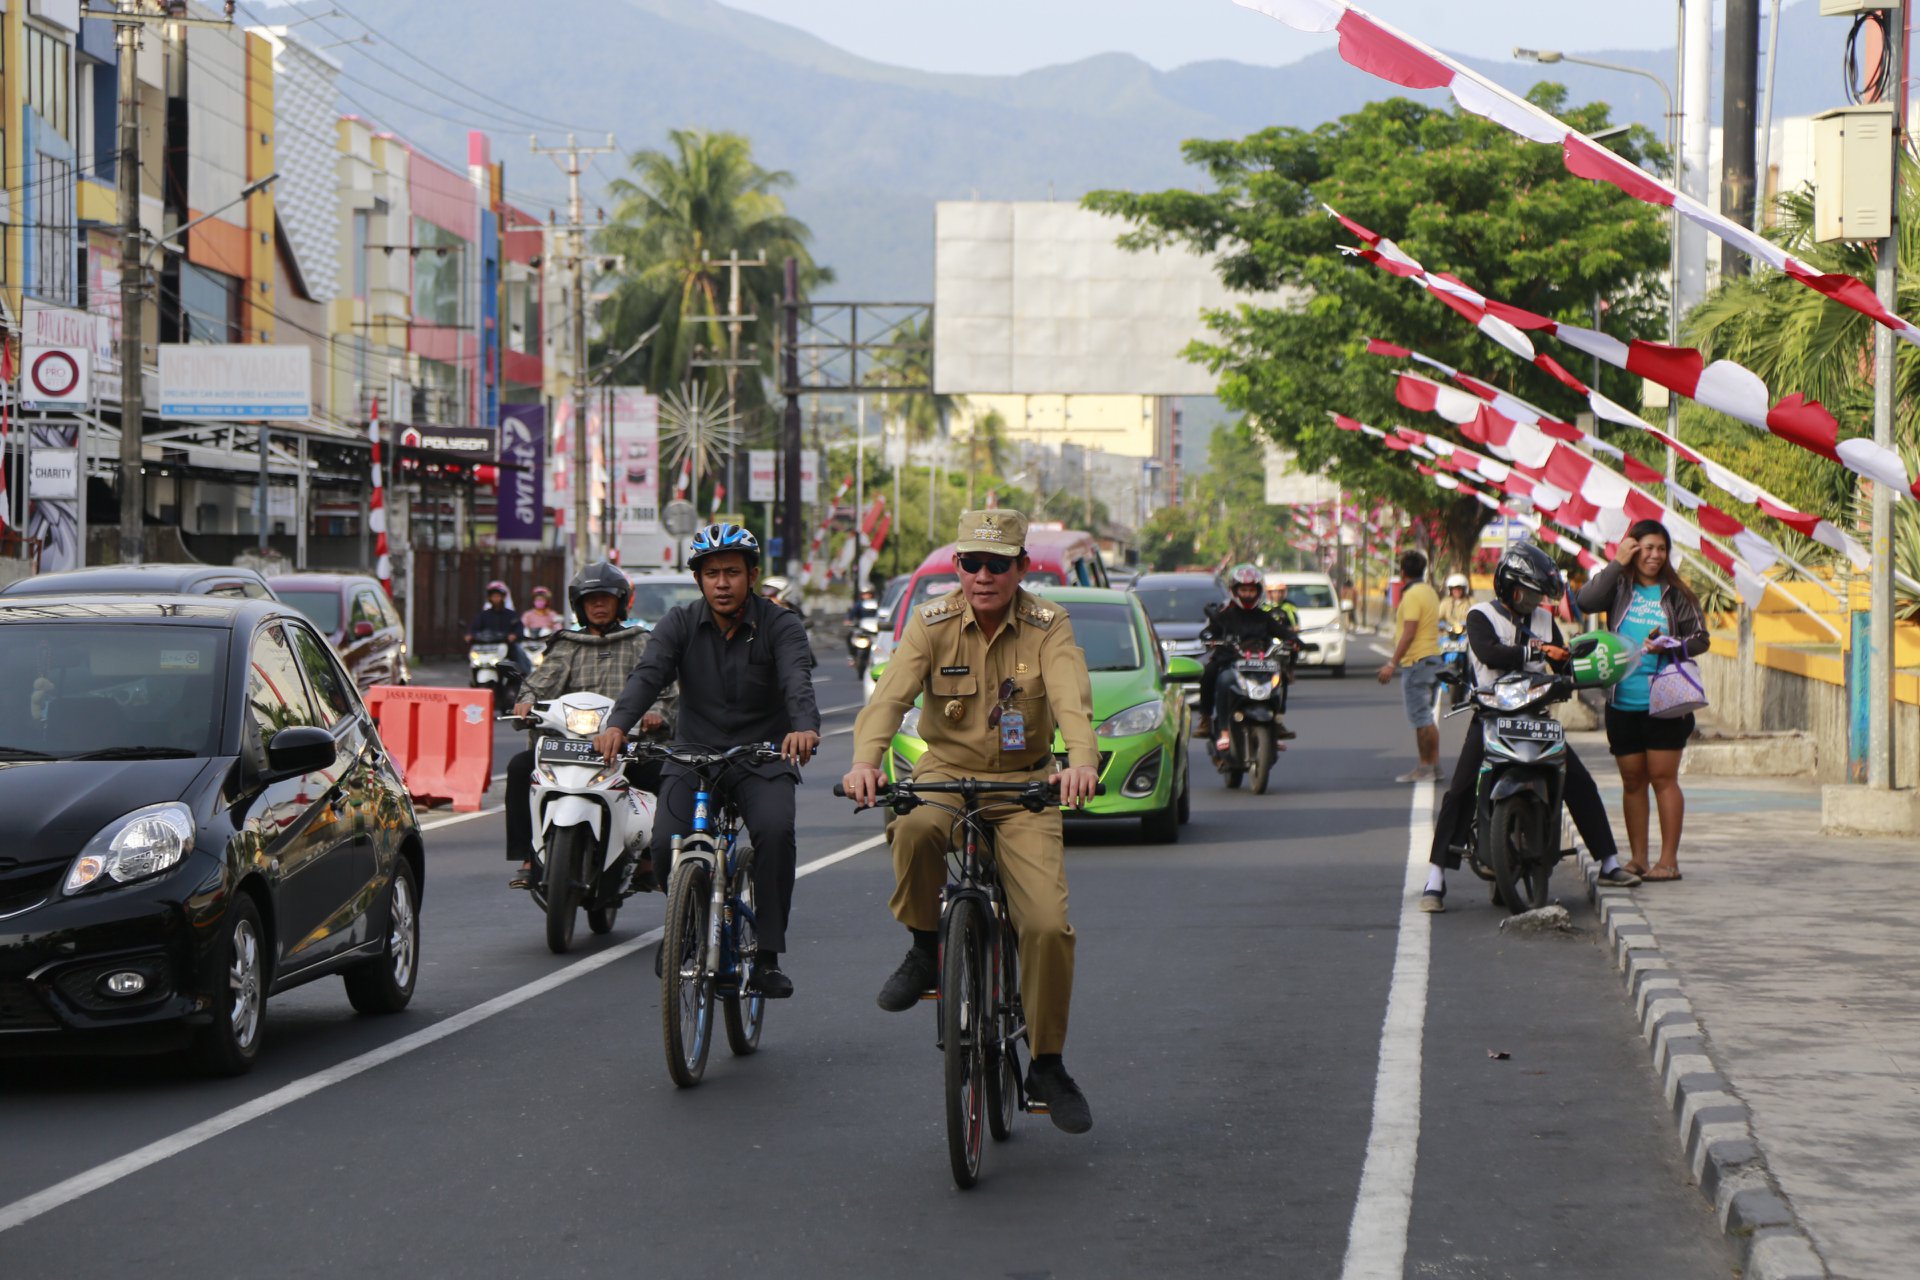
column 1418, row 684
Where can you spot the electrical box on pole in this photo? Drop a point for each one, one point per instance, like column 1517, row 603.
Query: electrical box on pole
column 1847, row 8
column 1853, row 150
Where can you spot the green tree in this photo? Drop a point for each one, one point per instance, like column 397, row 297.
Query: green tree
column 703, row 198
column 1463, row 196
column 1223, row 516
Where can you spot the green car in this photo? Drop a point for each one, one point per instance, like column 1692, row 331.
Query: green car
column 1139, row 714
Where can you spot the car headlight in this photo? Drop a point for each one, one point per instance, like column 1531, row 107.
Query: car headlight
column 141, row 844
column 1144, row 718
column 584, row 722
column 910, row 722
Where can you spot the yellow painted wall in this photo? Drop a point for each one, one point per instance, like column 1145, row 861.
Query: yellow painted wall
column 1116, row 424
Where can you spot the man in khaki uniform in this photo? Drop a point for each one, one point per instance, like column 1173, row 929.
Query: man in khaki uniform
column 998, row 669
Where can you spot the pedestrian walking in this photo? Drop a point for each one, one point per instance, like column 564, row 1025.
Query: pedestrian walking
column 1644, row 599
column 1416, row 656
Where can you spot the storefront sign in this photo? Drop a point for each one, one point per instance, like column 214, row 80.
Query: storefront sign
column 235, row 382
column 523, row 455
column 55, row 475
column 54, row 376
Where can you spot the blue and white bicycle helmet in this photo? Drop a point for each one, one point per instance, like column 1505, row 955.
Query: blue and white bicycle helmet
column 716, row 538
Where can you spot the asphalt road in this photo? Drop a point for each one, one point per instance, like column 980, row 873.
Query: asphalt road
column 1227, row 1028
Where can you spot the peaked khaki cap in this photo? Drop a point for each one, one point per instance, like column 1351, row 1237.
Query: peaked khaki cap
column 995, row 532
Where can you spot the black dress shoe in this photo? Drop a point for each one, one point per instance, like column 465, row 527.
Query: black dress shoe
column 771, row 983
column 1049, row 1084
column 917, row 975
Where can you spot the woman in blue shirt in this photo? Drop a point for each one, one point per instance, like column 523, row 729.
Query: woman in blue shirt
column 1643, row 598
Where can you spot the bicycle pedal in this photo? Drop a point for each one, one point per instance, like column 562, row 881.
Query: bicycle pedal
column 1033, row 1108
column 929, row 995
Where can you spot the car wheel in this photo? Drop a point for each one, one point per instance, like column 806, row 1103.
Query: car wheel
column 1163, row 825
column 230, row 1045
column 1185, row 807
column 385, row 983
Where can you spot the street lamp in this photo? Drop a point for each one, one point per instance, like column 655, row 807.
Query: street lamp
column 1551, row 56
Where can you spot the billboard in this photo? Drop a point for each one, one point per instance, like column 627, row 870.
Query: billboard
column 636, row 454
column 235, row 382
column 1287, row 486
column 1035, row 298
column 523, row 456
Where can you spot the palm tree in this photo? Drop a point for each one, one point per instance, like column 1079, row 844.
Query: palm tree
column 703, row 198
column 908, row 362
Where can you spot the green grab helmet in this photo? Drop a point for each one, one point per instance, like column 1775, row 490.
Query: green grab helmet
column 1601, row 660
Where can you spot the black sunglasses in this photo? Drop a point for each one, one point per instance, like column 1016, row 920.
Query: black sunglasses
column 990, row 564
column 1007, row 689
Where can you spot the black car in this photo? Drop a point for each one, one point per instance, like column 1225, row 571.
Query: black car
column 141, row 579
column 1176, row 603
column 198, row 814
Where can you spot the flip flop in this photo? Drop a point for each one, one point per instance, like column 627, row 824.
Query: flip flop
column 1661, row 873
column 1638, row 868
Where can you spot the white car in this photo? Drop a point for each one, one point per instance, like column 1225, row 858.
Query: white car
column 1323, row 625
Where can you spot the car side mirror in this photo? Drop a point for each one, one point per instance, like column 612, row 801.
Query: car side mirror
column 301, row 749
column 1184, row 670
column 362, row 629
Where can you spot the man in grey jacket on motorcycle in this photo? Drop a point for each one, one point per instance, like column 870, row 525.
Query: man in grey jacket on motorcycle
column 597, row 658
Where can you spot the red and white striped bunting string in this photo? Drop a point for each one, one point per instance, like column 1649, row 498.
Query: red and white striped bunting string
column 1378, row 49
column 1723, row 385
column 1562, row 491
column 820, row 537
column 377, row 505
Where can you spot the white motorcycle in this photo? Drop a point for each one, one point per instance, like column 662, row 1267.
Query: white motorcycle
column 590, row 824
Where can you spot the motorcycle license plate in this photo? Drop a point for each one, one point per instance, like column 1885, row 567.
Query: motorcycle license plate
column 566, row 751
column 1258, row 667
column 1530, row 730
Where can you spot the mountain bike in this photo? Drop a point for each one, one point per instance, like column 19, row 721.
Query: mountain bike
column 708, row 949
column 980, row 1023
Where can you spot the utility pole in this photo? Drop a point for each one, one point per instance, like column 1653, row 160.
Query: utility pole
column 128, row 17
column 1737, row 115
column 790, row 517
column 576, row 231
column 1886, row 285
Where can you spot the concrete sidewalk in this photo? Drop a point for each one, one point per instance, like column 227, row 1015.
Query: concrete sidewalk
column 1796, row 951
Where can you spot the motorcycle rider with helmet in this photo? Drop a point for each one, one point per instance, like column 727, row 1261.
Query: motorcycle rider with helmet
column 497, row 618
column 596, row 658
column 1239, row 624
column 1515, row 631
column 1458, row 602
column 746, row 676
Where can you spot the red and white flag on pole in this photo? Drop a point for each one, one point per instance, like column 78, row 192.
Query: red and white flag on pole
column 377, row 506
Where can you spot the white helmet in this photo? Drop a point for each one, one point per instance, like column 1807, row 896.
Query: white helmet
column 1459, row 580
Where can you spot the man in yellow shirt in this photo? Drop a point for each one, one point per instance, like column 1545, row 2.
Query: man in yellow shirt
column 1417, row 653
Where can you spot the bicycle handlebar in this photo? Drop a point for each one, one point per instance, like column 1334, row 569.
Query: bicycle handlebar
column 701, row 757
column 1035, row 795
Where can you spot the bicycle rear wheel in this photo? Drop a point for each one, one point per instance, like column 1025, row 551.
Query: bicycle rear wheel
column 1004, row 999
column 964, row 1029
column 686, row 989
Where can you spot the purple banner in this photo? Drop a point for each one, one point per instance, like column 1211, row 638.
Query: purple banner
column 523, row 456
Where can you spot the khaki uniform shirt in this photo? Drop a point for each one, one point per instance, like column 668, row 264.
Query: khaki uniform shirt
column 945, row 656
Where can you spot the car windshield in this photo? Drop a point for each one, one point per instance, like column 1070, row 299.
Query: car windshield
column 895, row 589
column 652, row 600
column 1107, row 634
column 1310, row 595
column 113, row 689
column 931, row 585
column 1184, row 603
column 321, row 607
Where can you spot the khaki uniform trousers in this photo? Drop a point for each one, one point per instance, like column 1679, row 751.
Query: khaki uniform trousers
column 1033, row 872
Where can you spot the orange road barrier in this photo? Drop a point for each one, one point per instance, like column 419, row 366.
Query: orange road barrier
column 440, row 739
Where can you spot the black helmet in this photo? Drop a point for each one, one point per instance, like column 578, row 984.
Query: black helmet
column 595, row 579
column 1525, row 567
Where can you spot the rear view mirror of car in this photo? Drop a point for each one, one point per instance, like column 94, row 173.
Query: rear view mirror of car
column 302, row 749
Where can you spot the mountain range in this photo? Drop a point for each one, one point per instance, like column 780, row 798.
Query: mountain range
column 872, row 147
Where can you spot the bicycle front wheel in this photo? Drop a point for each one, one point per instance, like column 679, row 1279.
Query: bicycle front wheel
column 686, row 989
column 746, row 1011
column 965, row 1026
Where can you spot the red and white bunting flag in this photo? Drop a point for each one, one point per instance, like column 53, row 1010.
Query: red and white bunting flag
column 719, row 499
column 377, row 504
column 1379, row 50
column 683, row 484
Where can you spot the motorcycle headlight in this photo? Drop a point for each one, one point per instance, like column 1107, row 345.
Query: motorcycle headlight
column 1511, row 697
column 585, row 722
column 141, row 844
column 910, row 722
column 1144, row 718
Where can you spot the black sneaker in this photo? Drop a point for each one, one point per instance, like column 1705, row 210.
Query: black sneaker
column 917, row 975
column 640, row 880
column 1049, row 1084
column 771, row 983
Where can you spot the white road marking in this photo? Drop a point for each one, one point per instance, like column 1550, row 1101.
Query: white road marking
column 104, row 1175
column 1377, row 1238
column 460, row 817
column 851, row 706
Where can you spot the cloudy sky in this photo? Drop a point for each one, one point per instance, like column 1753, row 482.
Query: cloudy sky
column 1002, row 36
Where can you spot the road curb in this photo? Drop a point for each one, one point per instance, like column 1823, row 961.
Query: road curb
column 1712, row 1122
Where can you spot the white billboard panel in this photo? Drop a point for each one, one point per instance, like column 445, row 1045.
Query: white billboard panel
column 1288, row 486
column 1034, row 298
column 237, row 382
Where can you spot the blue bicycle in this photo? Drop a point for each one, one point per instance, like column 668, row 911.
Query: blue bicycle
column 708, row 950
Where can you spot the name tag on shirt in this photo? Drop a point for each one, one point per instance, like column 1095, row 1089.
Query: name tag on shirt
column 1013, row 731
column 956, row 671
